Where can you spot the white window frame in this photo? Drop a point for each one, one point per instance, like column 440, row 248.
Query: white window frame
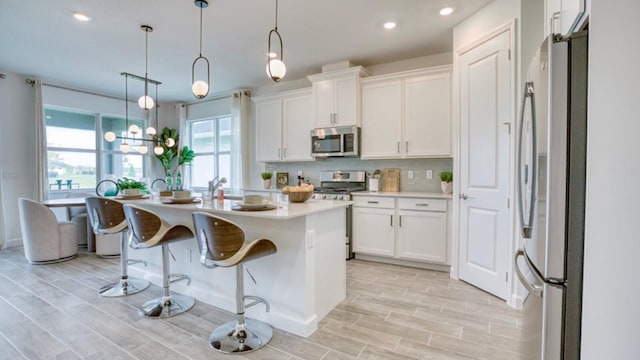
column 216, row 153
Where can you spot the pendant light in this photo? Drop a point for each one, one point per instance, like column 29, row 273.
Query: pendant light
column 200, row 88
column 275, row 64
column 146, row 102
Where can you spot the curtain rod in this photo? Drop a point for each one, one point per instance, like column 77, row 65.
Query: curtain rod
column 218, row 97
column 32, row 82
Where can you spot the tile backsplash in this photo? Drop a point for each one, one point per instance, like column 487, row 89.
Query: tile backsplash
column 419, row 167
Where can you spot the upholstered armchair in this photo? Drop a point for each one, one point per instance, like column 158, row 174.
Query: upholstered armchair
column 45, row 239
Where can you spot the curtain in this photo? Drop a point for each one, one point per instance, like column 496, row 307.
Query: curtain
column 42, row 178
column 240, row 107
column 3, row 234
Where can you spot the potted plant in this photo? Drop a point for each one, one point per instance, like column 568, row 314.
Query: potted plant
column 446, row 182
column 130, row 187
column 266, row 179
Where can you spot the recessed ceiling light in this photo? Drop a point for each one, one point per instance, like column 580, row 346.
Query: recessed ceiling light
column 389, row 25
column 81, row 17
column 447, row 10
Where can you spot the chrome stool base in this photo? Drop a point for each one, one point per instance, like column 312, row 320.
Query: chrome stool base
column 166, row 306
column 234, row 338
column 123, row 287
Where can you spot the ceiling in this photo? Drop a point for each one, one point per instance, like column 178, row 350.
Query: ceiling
column 41, row 39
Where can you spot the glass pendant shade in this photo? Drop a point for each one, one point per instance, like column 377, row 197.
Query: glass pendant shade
column 200, row 89
column 151, row 131
column 134, row 129
column 170, row 142
column 278, row 69
column 110, row 136
column 158, row 150
column 146, row 102
column 124, row 147
column 143, row 149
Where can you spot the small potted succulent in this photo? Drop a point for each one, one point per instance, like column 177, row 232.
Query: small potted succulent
column 131, row 187
column 446, row 182
column 266, row 179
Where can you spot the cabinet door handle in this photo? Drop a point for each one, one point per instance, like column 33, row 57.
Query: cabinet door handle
column 398, row 146
column 278, row 153
column 285, row 153
column 335, row 118
column 400, row 218
column 420, row 204
column 372, row 202
column 391, row 217
column 406, row 146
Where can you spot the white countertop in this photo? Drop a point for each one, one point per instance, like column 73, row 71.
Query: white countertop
column 426, row 195
column 294, row 209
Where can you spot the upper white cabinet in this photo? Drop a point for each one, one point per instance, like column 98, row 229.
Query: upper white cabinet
column 283, row 125
column 336, row 97
column 564, row 16
column 407, row 115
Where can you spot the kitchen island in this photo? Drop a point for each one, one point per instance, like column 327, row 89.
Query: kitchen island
column 302, row 282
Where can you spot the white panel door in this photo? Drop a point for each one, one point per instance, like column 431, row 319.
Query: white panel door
column 485, row 96
column 297, row 123
column 268, row 130
column 323, row 103
column 427, row 111
column 381, row 119
column 373, row 231
column 346, row 100
column 422, row 235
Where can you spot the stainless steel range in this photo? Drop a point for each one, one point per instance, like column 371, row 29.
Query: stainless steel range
column 338, row 185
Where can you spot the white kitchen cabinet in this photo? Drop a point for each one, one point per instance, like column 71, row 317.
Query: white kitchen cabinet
column 373, row 231
column 422, row 230
column 336, row 97
column 283, row 125
column 407, row 115
column 413, row 229
column 564, row 16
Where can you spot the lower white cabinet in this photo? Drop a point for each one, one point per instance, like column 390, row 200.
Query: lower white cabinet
column 403, row 228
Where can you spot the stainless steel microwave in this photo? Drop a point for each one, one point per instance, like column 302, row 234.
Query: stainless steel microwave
column 335, row 141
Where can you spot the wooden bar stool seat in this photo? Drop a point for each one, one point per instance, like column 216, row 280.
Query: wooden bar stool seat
column 222, row 244
column 149, row 230
column 107, row 217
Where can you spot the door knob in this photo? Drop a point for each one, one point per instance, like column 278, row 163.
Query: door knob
column 463, row 196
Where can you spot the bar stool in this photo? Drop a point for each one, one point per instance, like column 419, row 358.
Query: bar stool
column 148, row 230
column 107, row 217
column 221, row 243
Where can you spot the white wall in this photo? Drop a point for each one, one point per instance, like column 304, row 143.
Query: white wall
column 17, row 163
column 611, row 309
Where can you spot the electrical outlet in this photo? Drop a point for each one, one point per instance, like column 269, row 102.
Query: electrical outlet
column 429, row 174
column 410, row 174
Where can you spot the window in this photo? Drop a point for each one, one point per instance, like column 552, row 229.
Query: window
column 75, row 162
column 211, row 140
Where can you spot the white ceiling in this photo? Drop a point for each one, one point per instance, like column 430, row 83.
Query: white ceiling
column 40, row 38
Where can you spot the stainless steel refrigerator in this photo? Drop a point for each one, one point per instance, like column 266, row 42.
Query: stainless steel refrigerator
column 551, row 190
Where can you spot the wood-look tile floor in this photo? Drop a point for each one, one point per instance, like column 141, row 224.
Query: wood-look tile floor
column 391, row 312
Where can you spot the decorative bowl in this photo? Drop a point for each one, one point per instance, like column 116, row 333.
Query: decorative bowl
column 298, row 196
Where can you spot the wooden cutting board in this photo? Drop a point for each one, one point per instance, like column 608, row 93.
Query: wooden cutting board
column 390, row 180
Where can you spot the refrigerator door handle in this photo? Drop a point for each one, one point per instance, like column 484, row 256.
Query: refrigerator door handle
column 533, row 288
column 527, row 224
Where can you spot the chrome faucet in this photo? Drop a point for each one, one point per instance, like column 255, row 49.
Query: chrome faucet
column 215, row 183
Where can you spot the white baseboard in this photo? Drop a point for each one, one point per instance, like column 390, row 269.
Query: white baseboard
column 12, row 243
column 416, row 264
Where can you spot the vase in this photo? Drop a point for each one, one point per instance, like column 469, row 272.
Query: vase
column 266, row 183
column 447, row 187
column 130, row 192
